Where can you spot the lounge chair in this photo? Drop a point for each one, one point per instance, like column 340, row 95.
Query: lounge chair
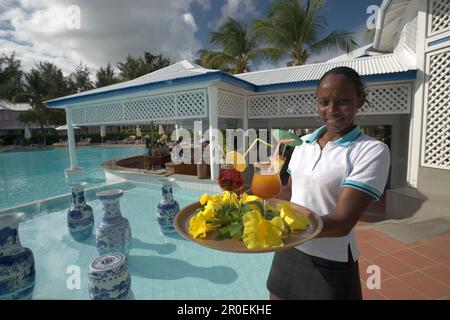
column 84, row 142
column 115, row 140
column 129, row 140
column 139, row 141
column 60, row 143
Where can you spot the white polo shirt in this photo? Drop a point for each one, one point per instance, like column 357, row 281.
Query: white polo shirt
column 355, row 160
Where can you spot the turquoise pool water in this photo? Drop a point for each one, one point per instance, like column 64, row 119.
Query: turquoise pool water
column 33, row 175
column 161, row 267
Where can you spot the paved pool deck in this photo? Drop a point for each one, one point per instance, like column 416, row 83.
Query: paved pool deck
column 413, row 255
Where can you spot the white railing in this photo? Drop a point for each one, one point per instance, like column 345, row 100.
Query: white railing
column 143, row 109
column 384, row 99
column 230, row 105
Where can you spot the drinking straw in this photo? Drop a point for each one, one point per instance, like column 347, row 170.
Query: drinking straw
column 253, row 144
column 269, row 145
column 284, row 150
column 275, row 153
column 279, row 143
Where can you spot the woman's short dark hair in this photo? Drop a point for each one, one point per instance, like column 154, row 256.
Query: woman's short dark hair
column 351, row 75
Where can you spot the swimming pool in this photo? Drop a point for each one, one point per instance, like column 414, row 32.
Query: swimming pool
column 161, row 267
column 33, row 175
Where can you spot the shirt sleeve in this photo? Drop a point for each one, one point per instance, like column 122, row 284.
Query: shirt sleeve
column 370, row 170
column 293, row 161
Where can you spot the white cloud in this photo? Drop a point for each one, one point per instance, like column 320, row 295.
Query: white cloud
column 109, row 30
column 188, row 18
column 204, row 4
column 237, row 9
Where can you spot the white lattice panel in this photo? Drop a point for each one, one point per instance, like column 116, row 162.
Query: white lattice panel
column 192, row 104
column 230, row 105
column 297, row 104
column 385, row 99
column 440, row 16
column 437, row 112
column 111, row 112
column 78, row 116
column 156, row 107
column 263, row 106
column 388, row 99
column 164, row 107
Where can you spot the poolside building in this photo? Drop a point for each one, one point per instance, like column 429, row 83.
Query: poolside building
column 406, row 69
column 9, row 119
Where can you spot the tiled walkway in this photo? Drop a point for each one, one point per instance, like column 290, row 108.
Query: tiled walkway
column 419, row 270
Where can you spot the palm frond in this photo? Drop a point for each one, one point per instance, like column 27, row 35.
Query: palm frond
column 214, row 60
column 266, row 53
column 266, row 31
column 337, row 39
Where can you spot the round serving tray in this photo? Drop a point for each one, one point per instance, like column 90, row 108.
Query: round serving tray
column 181, row 222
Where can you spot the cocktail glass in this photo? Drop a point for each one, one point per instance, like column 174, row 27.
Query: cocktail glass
column 230, row 179
column 266, row 182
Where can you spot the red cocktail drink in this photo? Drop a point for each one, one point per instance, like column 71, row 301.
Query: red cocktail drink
column 230, row 179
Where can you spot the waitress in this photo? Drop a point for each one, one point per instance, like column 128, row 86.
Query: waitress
column 336, row 173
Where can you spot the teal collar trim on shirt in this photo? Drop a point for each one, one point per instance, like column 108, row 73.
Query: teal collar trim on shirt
column 344, row 141
column 316, row 134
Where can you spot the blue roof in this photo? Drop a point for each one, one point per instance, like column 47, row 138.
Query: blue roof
column 387, row 67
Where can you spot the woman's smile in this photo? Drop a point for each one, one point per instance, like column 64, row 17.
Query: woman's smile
column 334, row 121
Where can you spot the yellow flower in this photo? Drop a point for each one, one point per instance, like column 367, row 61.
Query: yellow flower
column 206, row 197
column 294, row 220
column 198, row 227
column 261, row 233
column 208, row 213
column 228, row 198
column 246, row 198
column 213, row 206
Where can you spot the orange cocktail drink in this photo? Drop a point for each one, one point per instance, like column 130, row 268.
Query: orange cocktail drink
column 266, row 182
column 266, row 186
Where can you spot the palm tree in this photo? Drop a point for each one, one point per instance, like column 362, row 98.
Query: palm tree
column 105, row 76
column 11, row 77
column 156, row 61
column 239, row 49
column 132, row 68
column 44, row 82
column 80, row 79
column 294, row 29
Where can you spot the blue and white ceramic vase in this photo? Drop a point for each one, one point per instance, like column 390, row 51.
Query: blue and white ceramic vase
column 80, row 218
column 167, row 207
column 17, row 272
column 109, row 278
column 113, row 234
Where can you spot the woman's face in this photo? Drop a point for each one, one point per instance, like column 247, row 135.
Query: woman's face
column 338, row 102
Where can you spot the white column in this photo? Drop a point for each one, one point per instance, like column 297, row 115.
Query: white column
column 213, row 124
column 177, row 134
column 415, row 132
column 245, row 121
column 102, row 132
column 74, row 173
column 71, row 140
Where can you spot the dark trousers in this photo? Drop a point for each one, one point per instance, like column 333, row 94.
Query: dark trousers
column 299, row 276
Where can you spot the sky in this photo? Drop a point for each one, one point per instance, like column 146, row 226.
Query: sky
column 95, row 32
